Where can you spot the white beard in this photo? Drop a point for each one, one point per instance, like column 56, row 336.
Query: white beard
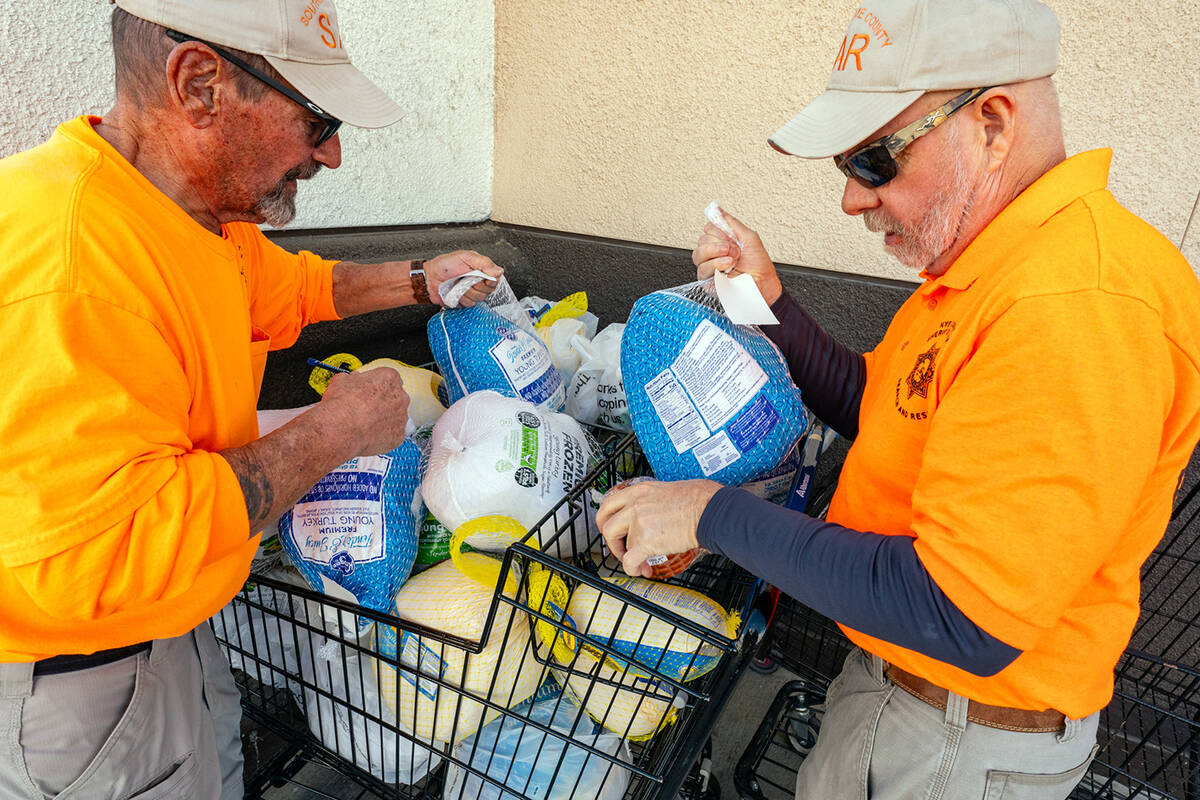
column 938, row 228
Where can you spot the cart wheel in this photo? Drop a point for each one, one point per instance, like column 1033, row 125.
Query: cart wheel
column 804, row 721
column 764, row 666
column 802, row 735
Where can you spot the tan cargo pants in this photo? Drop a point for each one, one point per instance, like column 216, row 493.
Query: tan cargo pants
column 157, row 725
column 878, row 742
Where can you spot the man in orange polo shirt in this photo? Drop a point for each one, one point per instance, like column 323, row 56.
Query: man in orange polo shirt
column 1018, row 434
column 139, row 301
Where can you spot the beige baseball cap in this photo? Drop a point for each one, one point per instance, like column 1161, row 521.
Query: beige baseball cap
column 300, row 38
column 896, row 50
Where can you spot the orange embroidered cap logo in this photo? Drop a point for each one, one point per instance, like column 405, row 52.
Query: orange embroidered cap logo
column 893, row 51
column 855, row 42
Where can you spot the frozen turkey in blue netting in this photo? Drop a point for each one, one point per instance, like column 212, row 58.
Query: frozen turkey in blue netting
column 477, row 348
column 709, row 398
column 357, row 526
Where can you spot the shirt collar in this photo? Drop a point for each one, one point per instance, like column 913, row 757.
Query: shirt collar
column 1062, row 185
column 83, row 130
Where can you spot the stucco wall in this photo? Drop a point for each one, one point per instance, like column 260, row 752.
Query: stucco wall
column 433, row 56
column 623, row 118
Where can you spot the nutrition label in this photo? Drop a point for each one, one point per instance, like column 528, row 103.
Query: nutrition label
column 708, row 384
column 718, row 374
column 678, row 415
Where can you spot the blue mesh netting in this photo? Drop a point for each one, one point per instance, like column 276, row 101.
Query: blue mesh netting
column 358, row 526
column 476, row 348
column 709, row 399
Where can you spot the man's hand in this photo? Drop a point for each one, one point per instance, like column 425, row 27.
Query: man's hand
column 370, row 406
column 653, row 518
column 451, row 265
column 360, row 414
column 716, row 251
column 359, row 288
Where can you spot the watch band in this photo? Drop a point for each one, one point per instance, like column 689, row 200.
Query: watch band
column 416, row 274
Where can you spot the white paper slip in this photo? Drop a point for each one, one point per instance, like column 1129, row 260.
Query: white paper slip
column 742, row 301
column 453, row 289
column 739, row 295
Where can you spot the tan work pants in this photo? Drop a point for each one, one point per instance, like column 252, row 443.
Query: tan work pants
column 156, row 725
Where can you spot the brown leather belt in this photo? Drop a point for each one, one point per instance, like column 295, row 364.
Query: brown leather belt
column 1008, row 719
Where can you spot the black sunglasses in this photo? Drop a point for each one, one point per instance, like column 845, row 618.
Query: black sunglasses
column 875, row 164
column 332, row 123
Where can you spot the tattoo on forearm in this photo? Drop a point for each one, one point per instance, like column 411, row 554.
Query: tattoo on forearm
column 256, row 488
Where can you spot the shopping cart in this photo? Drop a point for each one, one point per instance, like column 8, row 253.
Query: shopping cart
column 306, row 672
column 1149, row 734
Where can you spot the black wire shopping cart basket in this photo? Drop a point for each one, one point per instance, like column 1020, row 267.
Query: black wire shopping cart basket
column 812, row 648
column 637, row 708
column 1149, row 735
column 1150, row 732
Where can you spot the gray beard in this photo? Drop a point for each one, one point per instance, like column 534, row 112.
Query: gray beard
column 278, row 207
column 939, row 227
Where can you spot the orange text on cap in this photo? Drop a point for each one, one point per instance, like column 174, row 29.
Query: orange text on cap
column 310, row 11
column 856, row 44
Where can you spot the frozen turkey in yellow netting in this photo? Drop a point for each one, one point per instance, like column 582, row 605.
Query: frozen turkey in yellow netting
column 432, row 694
column 629, row 705
column 426, row 390
column 652, row 644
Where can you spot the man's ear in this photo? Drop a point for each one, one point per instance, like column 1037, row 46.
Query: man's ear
column 196, row 79
column 996, row 109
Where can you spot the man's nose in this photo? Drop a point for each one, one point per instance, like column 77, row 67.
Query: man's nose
column 330, row 152
column 857, row 198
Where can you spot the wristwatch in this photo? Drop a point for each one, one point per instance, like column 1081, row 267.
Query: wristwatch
column 420, row 290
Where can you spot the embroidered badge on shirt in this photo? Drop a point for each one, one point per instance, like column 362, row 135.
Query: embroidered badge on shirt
column 922, row 374
column 920, row 380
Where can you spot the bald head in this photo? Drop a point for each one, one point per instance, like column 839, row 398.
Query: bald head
column 1043, row 119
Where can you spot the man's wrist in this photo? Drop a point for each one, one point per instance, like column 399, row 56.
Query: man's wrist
column 420, row 289
column 772, row 291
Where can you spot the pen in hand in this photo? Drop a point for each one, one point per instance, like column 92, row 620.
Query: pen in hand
column 316, row 362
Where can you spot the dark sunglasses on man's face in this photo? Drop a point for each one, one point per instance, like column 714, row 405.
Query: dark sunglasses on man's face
column 875, row 164
column 332, row 123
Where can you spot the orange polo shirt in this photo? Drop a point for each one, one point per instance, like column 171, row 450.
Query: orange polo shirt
column 134, row 342
column 1026, row 419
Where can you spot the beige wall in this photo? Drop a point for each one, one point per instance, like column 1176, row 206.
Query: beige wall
column 623, row 118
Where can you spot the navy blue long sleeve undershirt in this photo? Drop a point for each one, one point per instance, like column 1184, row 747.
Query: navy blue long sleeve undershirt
column 872, row 583
column 830, row 375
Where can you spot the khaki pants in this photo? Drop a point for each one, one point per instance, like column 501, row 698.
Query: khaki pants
column 877, row 741
column 162, row 724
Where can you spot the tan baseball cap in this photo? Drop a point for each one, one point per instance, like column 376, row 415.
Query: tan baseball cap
column 896, row 50
column 300, row 38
